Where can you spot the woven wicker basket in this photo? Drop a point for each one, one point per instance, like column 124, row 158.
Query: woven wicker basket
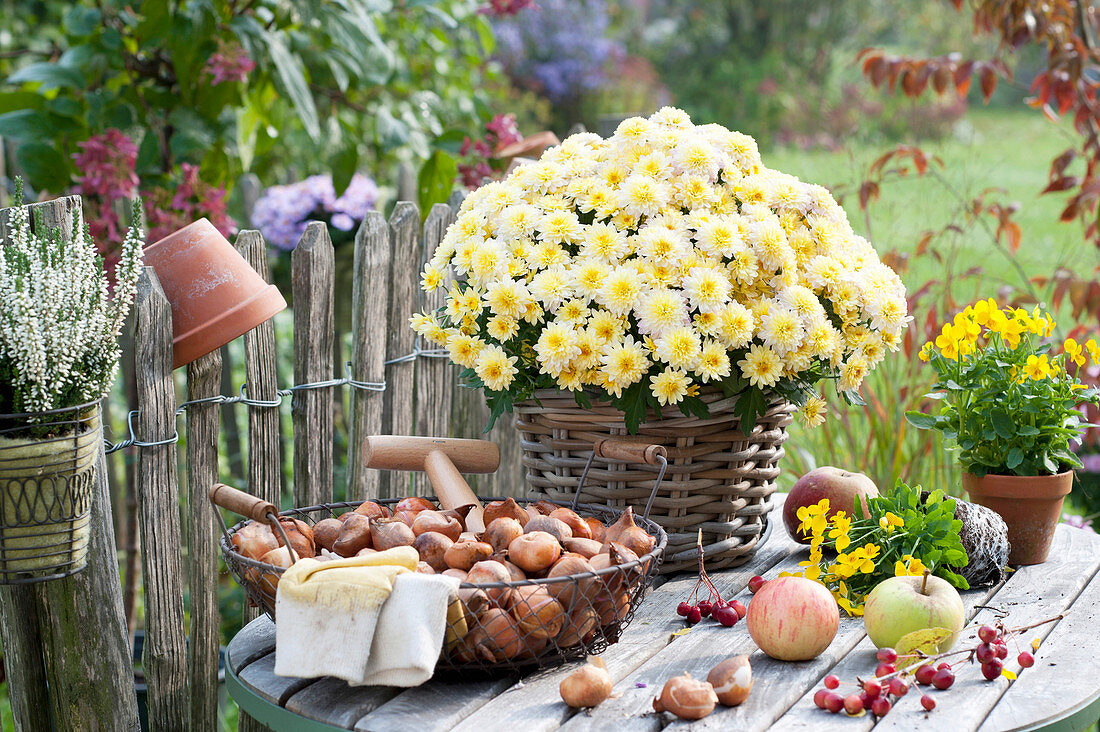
column 718, row 479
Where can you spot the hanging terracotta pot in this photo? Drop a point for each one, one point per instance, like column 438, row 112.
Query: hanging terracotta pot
column 216, row 296
column 1031, row 505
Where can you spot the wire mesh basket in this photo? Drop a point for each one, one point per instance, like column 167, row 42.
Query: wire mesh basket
column 47, row 481
column 505, row 626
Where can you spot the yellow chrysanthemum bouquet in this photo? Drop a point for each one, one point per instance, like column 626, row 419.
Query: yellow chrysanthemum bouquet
column 642, row 268
column 1008, row 402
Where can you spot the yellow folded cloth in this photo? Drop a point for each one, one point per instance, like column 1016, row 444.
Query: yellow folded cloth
column 327, row 612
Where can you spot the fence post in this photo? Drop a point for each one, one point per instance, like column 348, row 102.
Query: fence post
column 203, row 381
column 369, row 321
column 261, row 382
column 165, row 655
column 46, row 627
column 313, row 272
column 435, row 377
column 400, row 339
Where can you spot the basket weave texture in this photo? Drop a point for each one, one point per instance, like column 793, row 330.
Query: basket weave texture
column 718, row 480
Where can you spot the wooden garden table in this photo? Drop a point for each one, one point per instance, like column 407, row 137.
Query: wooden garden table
column 1062, row 690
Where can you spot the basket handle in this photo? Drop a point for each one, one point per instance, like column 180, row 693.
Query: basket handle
column 249, row 506
column 629, row 452
column 241, row 503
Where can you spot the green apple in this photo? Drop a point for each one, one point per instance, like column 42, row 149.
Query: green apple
column 901, row 605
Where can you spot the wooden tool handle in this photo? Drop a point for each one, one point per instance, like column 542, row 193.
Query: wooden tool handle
column 241, row 503
column 452, row 490
column 629, row 452
column 400, row 452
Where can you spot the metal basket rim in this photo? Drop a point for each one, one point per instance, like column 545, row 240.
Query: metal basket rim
column 61, row 410
column 641, row 562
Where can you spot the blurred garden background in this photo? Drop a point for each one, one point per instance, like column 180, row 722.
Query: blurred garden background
column 267, row 113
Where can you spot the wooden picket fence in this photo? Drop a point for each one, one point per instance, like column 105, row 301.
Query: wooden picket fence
column 421, row 396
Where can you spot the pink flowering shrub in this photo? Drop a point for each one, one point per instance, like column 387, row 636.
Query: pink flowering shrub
column 503, row 8
column 476, row 162
column 230, row 63
column 107, row 181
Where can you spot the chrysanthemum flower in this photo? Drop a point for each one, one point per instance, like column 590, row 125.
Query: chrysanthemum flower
column 557, row 346
column 659, row 311
column 495, row 368
column 464, row 349
column 781, row 328
column 679, row 347
column 670, row 386
column 624, row 362
column 714, row 362
column 812, row 413
column 761, row 366
column 620, row 290
column 706, row 288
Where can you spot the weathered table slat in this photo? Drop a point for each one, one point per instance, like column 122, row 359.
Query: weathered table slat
column 1031, row 594
column 1071, row 644
column 859, row 662
column 334, row 702
column 260, row 675
column 449, row 703
column 648, row 653
column 538, row 706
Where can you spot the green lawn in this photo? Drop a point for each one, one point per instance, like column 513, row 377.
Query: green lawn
column 1009, row 150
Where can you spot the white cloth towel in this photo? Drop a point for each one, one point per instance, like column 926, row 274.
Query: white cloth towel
column 376, row 625
column 409, row 635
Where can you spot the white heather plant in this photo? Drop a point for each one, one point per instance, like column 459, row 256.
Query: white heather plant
column 645, row 267
column 59, row 321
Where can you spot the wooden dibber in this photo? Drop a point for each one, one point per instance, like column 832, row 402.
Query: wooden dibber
column 444, row 460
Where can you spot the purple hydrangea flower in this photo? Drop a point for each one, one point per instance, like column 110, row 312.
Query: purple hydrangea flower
column 559, row 48
column 283, row 212
column 1077, row 522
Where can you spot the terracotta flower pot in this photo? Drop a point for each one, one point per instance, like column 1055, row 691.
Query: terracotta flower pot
column 215, row 294
column 1031, row 505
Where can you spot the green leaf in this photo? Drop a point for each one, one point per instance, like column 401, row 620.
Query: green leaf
column 920, row 420
column 1002, row 423
column 25, row 124
column 148, row 158
column 82, row 21
column 450, row 141
column 45, row 167
column 343, row 165
column 1027, row 430
column 633, row 404
column 50, row 75
column 694, row 407
column 1015, row 457
column 292, row 74
column 390, row 132
column 436, row 180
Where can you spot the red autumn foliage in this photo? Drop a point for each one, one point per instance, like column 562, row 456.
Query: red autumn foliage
column 1067, row 32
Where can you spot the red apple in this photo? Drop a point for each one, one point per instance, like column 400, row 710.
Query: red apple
column 839, row 486
column 793, row 618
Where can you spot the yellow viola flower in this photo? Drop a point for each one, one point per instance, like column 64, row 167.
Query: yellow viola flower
column 1074, row 352
column 1037, row 367
column 813, row 518
column 890, row 521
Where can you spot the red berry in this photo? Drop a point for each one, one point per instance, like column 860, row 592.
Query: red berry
column 683, row 609
column 853, row 704
column 943, row 664
column 887, row 655
column 985, row 652
column 927, row 702
column 834, row 702
column 739, row 608
column 831, row 682
column 694, row 616
column 885, row 669
column 873, row 688
column 726, row 616
column 720, row 603
column 705, row 607
column 881, row 706
column 987, row 633
column 1025, row 659
column 756, row 583
column 819, row 698
column 992, row 669
column 1002, row 651
column 943, row 679
column 924, row 674
column 898, row 687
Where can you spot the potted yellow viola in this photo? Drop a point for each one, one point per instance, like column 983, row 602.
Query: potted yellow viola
column 1010, row 404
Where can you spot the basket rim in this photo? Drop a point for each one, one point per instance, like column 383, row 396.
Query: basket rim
column 641, row 562
column 78, row 408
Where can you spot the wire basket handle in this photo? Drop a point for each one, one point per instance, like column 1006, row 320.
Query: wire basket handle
column 249, row 506
column 626, row 451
